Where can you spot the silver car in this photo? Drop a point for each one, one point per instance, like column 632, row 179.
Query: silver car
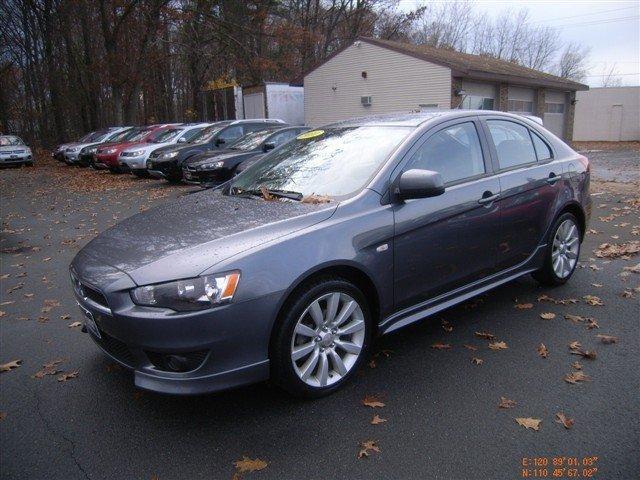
column 14, row 151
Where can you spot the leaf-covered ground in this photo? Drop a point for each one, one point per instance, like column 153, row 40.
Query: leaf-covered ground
column 522, row 371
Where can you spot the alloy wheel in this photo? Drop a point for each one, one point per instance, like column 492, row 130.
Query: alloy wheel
column 327, row 339
column 566, row 247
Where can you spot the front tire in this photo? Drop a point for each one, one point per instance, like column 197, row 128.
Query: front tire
column 321, row 338
column 563, row 251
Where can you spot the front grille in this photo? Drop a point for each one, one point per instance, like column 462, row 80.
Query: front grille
column 116, row 349
column 127, row 154
column 177, row 362
column 155, row 154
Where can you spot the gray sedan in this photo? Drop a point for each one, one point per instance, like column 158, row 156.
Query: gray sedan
column 347, row 232
column 13, row 151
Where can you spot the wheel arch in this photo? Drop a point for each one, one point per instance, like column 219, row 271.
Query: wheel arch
column 346, row 270
column 577, row 211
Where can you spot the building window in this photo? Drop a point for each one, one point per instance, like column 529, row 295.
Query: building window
column 520, row 106
column 476, row 102
column 554, row 108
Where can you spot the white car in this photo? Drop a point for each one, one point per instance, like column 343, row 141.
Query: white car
column 135, row 158
column 14, row 151
column 72, row 151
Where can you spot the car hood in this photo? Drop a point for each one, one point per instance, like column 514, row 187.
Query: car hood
column 184, row 238
column 11, row 148
column 227, row 156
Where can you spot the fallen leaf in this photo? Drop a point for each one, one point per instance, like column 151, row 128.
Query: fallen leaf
column 577, row 365
column 588, row 354
column 377, row 420
column 266, row 195
column 316, row 199
column 575, row 377
column 533, row 423
column 67, row 376
column 5, row 367
column 66, row 316
column 575, row 318
column 49, row 368
column 542, row 351
column 446, row 326
column 485, row 335
column 575, row 345
column 593, row 300
column 597, row 285
column 3, row 415
column 566, row 422
column 470, row 347
column 607, row 339
column 372, row 401
column 564, row 301
column 592, row 324
column 506, row 403
column 617, row 250
column 75, row 324
column 2, row 313
column 441, row 346
column 524, row 306
column 547, row 316
column 372, row 363
column 247, row 465
column 477, row 361
column 367, row 447
column 498, row 346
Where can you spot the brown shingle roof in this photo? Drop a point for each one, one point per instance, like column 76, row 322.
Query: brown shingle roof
column 480, row 67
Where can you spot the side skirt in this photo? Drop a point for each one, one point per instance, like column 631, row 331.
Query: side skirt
column 430, row 307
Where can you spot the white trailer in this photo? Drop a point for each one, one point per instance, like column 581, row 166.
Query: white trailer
column 274, row 100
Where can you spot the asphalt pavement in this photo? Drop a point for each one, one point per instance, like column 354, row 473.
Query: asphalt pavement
column 440, row 406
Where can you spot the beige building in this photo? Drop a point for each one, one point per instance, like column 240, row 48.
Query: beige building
column 608, row 114
column 372, row 76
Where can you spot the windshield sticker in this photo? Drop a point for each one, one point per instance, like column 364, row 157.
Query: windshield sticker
column 311, row 134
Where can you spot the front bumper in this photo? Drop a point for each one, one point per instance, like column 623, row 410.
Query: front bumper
column 133, row 163
column 15, row 158
column 164, row 169
column 227, row 345
column 71, row 157
column 219, row 175
column 106, row 160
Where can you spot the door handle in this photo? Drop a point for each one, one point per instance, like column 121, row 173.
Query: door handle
column 553, row 178
column 488, row 197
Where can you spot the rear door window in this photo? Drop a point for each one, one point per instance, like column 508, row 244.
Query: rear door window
column 231, row 133
column 513, row 143
column 454, row 152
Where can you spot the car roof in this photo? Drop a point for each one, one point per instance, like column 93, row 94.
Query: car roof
column 415, row 119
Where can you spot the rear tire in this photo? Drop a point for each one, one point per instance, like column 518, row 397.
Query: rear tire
column 321, row 338
column 140, row 173
column 563, row 251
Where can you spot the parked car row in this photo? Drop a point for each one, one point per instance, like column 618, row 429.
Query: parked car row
column 193, row 152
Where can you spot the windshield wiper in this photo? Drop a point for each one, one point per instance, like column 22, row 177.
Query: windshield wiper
column 274, row 192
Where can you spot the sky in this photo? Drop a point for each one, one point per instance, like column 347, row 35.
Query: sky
column 610, row 28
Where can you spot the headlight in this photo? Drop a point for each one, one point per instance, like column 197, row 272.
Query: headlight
column 92, row 150
column 188, row 295
column 72, row 149
column 170, row 155
column 212, row 165
column 135, row 153
column 110, row 150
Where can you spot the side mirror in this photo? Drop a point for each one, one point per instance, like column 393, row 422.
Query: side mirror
column 220, row 141
column 268, row 146
column 182, row 140
column 417, row 183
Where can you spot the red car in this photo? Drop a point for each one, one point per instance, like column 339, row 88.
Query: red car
column 107, row 155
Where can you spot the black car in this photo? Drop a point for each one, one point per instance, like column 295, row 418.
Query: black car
column 167, row 162
column 219, row 166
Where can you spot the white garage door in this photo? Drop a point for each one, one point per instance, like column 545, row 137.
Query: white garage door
column 554, row 110
column 254, row 105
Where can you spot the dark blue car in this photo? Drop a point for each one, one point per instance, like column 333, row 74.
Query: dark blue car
column 345, row 233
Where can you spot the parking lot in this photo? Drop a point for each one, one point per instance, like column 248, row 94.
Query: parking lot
column 437, row 384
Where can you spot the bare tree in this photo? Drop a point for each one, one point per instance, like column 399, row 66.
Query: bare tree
column 572, row 63
column 610, row 77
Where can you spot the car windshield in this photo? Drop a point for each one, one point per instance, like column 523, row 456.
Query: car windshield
column 250, row 140
column 191, row 134
column 207, row 133
column 166, row 135
column 137, row 135
column 96, row 136
column 333, row 162
column 119, row 136
column 10, row 141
